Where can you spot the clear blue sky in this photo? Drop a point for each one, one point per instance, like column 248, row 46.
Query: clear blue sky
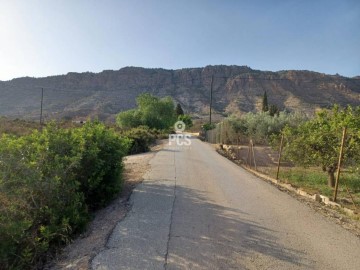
column 41, row 38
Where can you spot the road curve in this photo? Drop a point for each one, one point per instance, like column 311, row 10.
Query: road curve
column 198, row 210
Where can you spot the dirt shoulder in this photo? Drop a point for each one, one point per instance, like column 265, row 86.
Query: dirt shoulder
column 79, row 253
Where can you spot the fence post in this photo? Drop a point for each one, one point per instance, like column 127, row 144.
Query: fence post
column 279, row 160
column 216, row 134
column 238, row 149
column 222, row 132
column 253, row 153
column 339, row 163
column 248, row 158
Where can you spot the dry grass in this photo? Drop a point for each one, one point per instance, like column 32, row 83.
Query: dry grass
column 17, row 127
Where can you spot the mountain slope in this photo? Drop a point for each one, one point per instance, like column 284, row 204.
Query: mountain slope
column 236, row 89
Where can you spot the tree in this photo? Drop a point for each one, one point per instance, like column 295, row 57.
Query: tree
column 151, row 111
column 317, row 141
column 265, row 105
column 186, row 119
column 179, row 110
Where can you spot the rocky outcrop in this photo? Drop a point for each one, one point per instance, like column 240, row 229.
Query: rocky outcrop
column 236, row 89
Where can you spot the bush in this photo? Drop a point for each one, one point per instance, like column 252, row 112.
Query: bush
column 48, row 183
column 141, row 139
column 100, row 167
column 208, row 126
column 186, row 119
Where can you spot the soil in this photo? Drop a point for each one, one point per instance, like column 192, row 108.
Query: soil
column 79, row 253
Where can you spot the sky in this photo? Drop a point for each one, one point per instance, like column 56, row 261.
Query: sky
column 49, row 37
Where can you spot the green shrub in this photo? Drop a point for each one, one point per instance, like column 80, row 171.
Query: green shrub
column 186, row 119
column 141, row 139
column 101, row 165
column 208, row 126
column 44, row 206
column 48, row 183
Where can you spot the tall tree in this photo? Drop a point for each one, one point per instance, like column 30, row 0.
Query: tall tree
column 179, row 110
column 265, row 105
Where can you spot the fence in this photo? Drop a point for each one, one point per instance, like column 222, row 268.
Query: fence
column 265, row 159
column 223, row 133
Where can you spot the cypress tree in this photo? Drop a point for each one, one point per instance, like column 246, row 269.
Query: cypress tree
column 265, row 105
column 179, row 110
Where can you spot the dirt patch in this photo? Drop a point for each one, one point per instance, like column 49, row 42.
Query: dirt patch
column 79, row 253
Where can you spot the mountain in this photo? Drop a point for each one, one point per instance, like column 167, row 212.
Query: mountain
column 236, row 89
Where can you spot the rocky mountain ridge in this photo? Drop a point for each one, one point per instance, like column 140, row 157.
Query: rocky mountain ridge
column 236, row 89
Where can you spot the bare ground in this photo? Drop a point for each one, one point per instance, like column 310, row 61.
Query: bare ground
column 79, row 253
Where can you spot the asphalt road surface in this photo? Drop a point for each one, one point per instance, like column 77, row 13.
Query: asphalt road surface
column 198, row 210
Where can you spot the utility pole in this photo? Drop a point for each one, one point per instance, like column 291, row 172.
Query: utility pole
column 41, row 106
column 211, row 91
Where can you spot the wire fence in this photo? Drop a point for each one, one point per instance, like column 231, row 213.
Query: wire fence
column 224, row 133
column 269, row 160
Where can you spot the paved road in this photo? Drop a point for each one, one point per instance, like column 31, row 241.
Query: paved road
column 197, row 210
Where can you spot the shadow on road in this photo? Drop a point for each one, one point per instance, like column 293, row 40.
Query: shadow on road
column 206, row 235
column 203, row 235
